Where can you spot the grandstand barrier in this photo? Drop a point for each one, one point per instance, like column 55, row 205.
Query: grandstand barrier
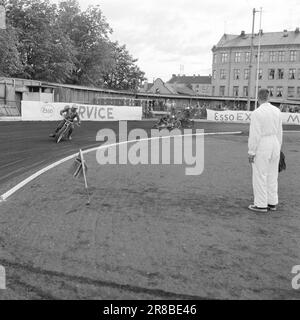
column 43, row 111
column 245, row 116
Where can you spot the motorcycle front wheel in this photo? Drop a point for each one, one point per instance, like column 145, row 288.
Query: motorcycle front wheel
column 60, row 134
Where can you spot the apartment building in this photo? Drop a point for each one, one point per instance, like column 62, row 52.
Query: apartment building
column 278, row 70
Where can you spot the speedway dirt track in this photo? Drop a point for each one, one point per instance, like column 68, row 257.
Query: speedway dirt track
column 25, row 146
column 230, row 242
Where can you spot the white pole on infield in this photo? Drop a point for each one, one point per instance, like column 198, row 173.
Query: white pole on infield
column 84, row 176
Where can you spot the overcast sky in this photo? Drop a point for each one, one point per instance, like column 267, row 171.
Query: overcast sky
column 164, row 34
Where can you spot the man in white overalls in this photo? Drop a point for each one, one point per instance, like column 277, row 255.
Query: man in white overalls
column 264, row 144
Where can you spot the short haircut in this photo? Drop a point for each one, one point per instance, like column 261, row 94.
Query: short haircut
column 263, row 94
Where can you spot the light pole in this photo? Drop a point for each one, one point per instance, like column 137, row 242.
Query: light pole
column 251, row 57
column 258, row 59
column 2, row 16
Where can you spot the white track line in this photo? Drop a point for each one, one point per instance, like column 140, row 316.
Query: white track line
column 23, row 183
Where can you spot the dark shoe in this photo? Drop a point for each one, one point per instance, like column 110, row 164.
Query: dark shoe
column 252, row 207
column 52, row 135
column 272, row 207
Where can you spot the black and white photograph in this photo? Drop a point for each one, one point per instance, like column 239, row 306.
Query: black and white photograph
column 149, row 151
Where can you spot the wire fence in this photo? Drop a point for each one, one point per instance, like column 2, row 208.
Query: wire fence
column 10, row 108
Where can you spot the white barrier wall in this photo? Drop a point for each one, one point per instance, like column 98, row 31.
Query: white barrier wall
column 245, row 116
column 42, row 111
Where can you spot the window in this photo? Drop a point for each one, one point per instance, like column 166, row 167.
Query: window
column 222, row 90
column 281, row 56
column 247, row 56
column 279, row 92
column 260, row 74
column 271, row 91
column 236, row 74
column 34, row 89
column 214, row 74
column 224, row 57
column 291, row 91
column 271, row 74
column 280, row 73
column 298, row 92
column 213, row 90
column 298, row 74
column 293, row 55
column 245, row 91
column 215, row 58
column 258, row 88
column 235, row 91
column 237, row 57
column 292, row 74
column 246, row 74
column 261, row 56
column 272, row 57
column 223, row 74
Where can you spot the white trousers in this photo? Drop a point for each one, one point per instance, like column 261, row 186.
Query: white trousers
column 265, row 172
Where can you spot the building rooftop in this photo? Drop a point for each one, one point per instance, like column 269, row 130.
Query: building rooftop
column 145, row 87
column 267, row 39
column 178, row 89
column 161, row 87
column 86, row 88
column 189, row 80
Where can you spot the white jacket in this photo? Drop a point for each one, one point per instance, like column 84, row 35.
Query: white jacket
column 265, row 121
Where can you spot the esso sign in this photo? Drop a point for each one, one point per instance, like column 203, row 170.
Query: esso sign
column 47, row 111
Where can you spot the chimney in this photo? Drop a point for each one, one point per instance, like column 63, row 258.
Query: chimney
column 146, row 85
column 243, row 33
column 297, row 30
column 285, row 33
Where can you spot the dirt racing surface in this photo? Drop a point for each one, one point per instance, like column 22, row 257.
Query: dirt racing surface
column 151, row 232
column 26, row 146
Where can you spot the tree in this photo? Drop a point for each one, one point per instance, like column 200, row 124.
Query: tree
column 10, row 62
column 124, row 74
column 61, row 43
column 89, row 33
column 46, row 53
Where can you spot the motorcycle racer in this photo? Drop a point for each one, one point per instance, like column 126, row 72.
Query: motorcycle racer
column 69, row 113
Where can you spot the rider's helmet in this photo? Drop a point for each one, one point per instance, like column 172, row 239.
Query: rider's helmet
column 74, row 108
